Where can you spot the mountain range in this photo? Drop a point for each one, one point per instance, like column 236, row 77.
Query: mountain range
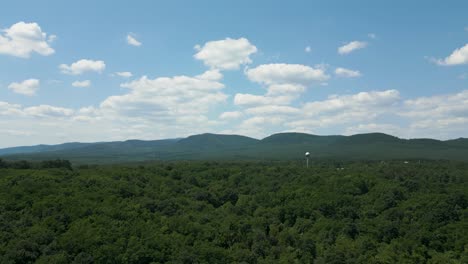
column 282, row 146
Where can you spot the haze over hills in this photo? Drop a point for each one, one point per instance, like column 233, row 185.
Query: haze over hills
column 282, row 146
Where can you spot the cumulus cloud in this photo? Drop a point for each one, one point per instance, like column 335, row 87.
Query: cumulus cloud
column 437, row 108
column 285, row 82
column 230, row 115
column 48, row 111
column 250, row 99
column 166, row 98
column 85, row 83
column 281, row 73
column 351, row 46
column 227, row 54
column 343, row 72
column 440, row 116
column 282, row 89
column 345, row 109
column 257, row 121
column 124, row 74
column 272, row 110
column 149, row 108
column 458, row 57
column 355, row 102
column 26, row 87
column 131, row 40
column 16, row 110
column 8, row 109
column 14, row 132
column 82, row 66
column 211, row 75
column 22, row 39
column 88, row 114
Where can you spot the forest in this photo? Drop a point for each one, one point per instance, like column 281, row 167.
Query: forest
column 234, row 212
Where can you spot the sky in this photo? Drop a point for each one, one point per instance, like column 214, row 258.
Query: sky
column 92, row 71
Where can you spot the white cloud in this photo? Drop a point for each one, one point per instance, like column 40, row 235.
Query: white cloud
column 356, row 102
column 343, row 72
column 261, row 121
column 26, row 87
column 308, row 49
column 162, row 107
column 131, row 40
column 85, row 83
column 165, row 98
column 211, row 75
column 22, row 39
column 437, row 107
column 458, row 56
column 227, row 54
column 16, row 110
column 351, row 46
column 291, row 89
column 88, row 114
column 250, row 99
column 124, row 74
column 82, row 66
column 439, row 116
column 372, row 35
column 48, row 111
column 344, row 109
column 272, row 110
column 230, row 115
column 441, row 125
column 14, row 132
column 8, row 109
column 285, row 82
column 280, row 73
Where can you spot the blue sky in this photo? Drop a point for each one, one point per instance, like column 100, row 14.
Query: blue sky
column 238, row 67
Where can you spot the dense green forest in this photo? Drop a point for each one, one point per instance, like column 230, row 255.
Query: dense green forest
column 234, row 212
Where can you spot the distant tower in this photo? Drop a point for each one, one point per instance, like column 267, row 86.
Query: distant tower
column 307, row 154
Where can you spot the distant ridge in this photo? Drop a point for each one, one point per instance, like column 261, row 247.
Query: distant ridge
column 281, row 146
column 42, row 148
column 291, row 137
column 209, row 140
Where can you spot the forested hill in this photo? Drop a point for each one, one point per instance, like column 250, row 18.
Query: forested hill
column 283, row 146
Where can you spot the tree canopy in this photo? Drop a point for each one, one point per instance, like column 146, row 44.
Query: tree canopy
column 234, row 212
